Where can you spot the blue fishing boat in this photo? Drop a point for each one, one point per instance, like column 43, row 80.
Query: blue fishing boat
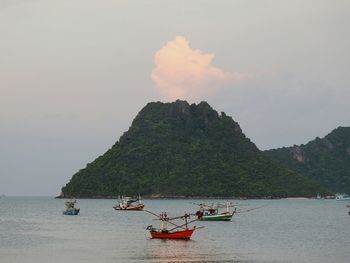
column 70, row 209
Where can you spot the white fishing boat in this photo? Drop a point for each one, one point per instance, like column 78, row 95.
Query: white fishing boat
column 129, row 204
column 319, row 197
column 212, row 213
column 342, row 197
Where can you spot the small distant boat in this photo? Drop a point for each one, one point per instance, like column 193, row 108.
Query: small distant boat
column 177, row 232
column 211, row 213
column 348, row 205
column 127, row 203
column 70, row 209
column 319, row 197
column 342, row 197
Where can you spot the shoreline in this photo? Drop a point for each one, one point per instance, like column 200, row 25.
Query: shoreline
column 150, row 197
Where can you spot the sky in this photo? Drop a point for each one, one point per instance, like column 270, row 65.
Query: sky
column 74, row 74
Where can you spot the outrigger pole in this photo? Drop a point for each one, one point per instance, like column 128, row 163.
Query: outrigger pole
column 177, row 226
column 183, row 225
column 248, row 210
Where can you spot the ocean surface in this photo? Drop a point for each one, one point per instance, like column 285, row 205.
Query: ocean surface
column 33, row 229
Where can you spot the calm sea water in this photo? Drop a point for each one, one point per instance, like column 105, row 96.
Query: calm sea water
column 33, row 229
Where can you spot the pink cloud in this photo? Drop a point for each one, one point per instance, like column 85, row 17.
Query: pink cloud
column 182, row 72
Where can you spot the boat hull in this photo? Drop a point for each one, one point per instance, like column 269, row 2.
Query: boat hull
column 71, row 211
column 343, row 199
column 130, row 208
column 185, row 234
column 219, row 217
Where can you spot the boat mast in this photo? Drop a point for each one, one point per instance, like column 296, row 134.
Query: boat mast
column 163, row 222
column 140, row 199
column 186, row 221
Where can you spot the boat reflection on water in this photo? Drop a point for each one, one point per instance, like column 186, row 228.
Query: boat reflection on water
column 184, row 251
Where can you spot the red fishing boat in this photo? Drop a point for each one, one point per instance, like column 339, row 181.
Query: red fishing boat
column 177, row 232
column 182, row 234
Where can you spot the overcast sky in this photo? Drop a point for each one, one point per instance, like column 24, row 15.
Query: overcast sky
column 74, row 73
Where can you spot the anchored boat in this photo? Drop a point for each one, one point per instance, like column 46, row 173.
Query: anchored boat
column 342, row 197
column 176, row 232
column 211, row 213
column 70, row 209
column 127, row 203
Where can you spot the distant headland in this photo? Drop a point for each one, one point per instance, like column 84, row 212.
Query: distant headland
column 182, row 150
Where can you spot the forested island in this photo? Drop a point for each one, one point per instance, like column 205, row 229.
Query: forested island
column 182, row 150
column 325, row 160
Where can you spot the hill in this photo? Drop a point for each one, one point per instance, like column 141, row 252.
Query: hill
column 325, row 160
column 177, row 149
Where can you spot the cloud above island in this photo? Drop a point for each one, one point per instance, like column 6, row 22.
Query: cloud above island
column 182, row 72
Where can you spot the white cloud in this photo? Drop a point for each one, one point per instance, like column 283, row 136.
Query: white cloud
column 182, row 72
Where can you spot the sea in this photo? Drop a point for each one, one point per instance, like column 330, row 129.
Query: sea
column 33, row 229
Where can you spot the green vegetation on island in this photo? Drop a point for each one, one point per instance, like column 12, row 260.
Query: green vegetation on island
column 325, row 160
column 177, row 149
